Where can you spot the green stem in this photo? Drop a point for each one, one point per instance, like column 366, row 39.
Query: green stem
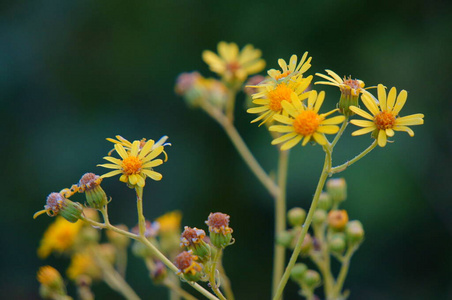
column 242, row 149
column 307, row 223
column 344, row 166
column 212, row 280
column 340, row 132
column 280, row 219
column 343, row 272
column 113, row 278
column 324, row 264
column 230, row 105
column 141, row 219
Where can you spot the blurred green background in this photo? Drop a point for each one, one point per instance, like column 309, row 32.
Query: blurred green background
column 75, row 72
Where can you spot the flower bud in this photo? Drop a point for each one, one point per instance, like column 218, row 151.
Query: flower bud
column 337, row 243
column 117, row 239
column 337, row 219
column 158, row 273
column 350, row 95
column 354, row 232
column 311, row 279
column 284, row 238
column 57, row 204
column 95, row 195
column 71, row 211
column 296, row 216
column 51, row 278
column 325, row 201
column 298, row 272
column 337, row 188
column 319, row 217
column 220, row 232
column 193, row 239
column 187, row 265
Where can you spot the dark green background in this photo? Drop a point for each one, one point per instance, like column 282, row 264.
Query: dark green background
column 75, row 72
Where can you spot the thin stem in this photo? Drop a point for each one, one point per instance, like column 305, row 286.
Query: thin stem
column 113, row 278
column 230, row 105
column 344, row 166
column 212, row 280
column 340, row 132
column 324, row 264
column 343, row 272
column 121, row 261
column 280, row 219
column 307, row 223
column 242, row 148
column 141, row 219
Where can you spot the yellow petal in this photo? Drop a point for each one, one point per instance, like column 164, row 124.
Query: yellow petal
column 113, row 160
column 391, row 99
column 363, row 131
column 152, row 163
column 140, row 181
column 362, row 123
column 284, row 138
column 289, row 108
column 289, row 144
column 361, row 112
column 153, row 175
column 320, row 138
column 404, row 128
column 401, row 99
column 123, row 178
column 306, row 140
column 283, row 119
column 111, row 174
column 156, row 152
column 257, row 110
column 319, row 101
column 281, row 128
column 110, row 166
column 382, row 138
column 333, row 120
column 120, row 150
column 382, row 96
column 146, row 149
column 389, row 132
column 335, row 76
column 135, row 148
column 370, row 104
column 330, row 129
column 312, row 98
column 133, row 179
column 282, row 63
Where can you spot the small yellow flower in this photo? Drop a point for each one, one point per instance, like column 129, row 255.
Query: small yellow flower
column 232, row 64
column 305, row 122
column 135, row 165
column 348, row 86
column 291, row 69
column 270, row 99
column 59, row 237
column 49, row 276
column 83, row 264
column 385, row 118
column 128, row 145
column 170, row 222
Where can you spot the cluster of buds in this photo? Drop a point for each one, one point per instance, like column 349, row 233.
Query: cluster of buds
column 196, row 89
column 333, row 234
column 200, row 249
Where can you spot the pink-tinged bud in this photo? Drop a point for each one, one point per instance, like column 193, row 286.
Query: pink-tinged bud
column 220, row 232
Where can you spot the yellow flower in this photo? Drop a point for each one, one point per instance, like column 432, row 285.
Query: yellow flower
column 288, row 71
column 232, row 64
column 135, row 165
column 348, row 86
column 385, row 118
column 270, row 99
column 128, row 145
column 305, row 122
column 83, row 264
column 59, row 237
column 170, row 222
column 49, row 276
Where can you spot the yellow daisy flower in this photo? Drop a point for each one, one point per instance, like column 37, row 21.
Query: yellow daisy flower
column 59, row 237
column 348, row 86
column 385, row 118
column 291, row 69
column 305, row 122
column 128, row 145
column 232, row 63
column 270, row 99
column 135, row 165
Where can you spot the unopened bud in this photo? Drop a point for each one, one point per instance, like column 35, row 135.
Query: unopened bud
column 311, row 279
column 298, row 272
column 337, row 188
column 337, row 219
column 284, row 238
column 193, row 239
column 51, row 278
column 95, row 195
column 57, row 204
column 354, row 232
column 337, row 243
column 220, row 232
column 296, row 216
column 325, row 201
column 319, row 217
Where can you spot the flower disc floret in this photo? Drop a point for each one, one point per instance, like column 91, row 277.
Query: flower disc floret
column 384, row 119
column 307, row 122
column 187, row 265
column 192, row 236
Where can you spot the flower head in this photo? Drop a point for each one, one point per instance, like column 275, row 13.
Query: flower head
column 187, row 265
column 233, row 64
column 305, row 123
column 59, row 237
column 193, row 239
column 128, row 145
column 57, row 203
column 49, row 276
column 136, row 163
column 385, row 117
column 271, row 98
column 348, row 86
column 291, row 69
column 220, row 232
column 337, row 219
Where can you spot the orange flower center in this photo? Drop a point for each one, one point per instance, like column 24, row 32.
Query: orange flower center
column 131, row 165
column 351, row 86
column 384, row 120
column 280, row 76
column 233, row 66
column 280, row 93
column 307, row 122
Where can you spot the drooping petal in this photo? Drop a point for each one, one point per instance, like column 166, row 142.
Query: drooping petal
column 133, row 179
column 404, row 128
column 320, row 138
column 389, row 132
column 140, row 182
column 401, row 99
column 153, row 175
column 284, row 138
column 382, row 138
column 363, row 131
column 291, row 143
